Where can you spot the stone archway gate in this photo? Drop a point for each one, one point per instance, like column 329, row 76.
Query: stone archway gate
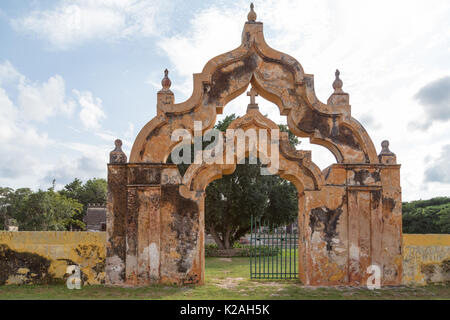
column 349, row 214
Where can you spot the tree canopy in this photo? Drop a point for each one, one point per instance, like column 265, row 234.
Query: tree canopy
column 232, row 200
column 51, row 210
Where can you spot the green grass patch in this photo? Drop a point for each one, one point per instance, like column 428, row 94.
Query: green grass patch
column 226, row 278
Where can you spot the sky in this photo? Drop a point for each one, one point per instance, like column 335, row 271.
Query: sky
column 76, row 75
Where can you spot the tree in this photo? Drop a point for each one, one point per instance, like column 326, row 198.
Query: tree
column 231, row 201
column 73, row 190
column 5, row 203
column 51, row 210
column 41, row 210
column 427, row 216
column 93, row 191
column 17, row 204
column 65, row 212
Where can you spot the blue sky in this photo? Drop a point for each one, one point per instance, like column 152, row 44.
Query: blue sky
column 75, row 75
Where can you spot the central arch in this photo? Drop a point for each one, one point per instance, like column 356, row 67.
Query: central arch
column 293, row 165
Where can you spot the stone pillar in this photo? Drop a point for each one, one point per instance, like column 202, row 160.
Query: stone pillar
column 143, row 223
column 115, row 217
column 365, row 224
column 182, row 233
column 392, row 235
column 360, row 234
column 375, row 220
column 325, row 236
column 154, row 235
column 302, row 240
column 143, row 234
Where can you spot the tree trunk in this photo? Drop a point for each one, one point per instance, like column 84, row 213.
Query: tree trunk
column 226, row 238
column 216, row 237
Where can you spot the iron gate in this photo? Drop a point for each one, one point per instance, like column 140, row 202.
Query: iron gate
column 273, row 251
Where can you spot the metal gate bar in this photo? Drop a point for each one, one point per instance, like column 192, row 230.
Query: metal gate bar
column 273, row 251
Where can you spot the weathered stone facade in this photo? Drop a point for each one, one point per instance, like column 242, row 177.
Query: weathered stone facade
column 349, row 213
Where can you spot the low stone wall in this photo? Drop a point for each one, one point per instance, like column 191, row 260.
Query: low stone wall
column 426, row 258
column 43, row 257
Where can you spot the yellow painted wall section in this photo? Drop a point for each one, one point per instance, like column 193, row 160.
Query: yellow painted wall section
column 37, row 257
column 41, row 256
column 426, row 258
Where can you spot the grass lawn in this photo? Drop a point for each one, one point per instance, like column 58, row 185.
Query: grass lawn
column 226, row 278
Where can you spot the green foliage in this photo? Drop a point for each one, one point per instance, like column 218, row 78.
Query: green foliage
column 51, row 210
column 5, row 202
column 13, row 204
column 232, row 200
column 293, row 139
column 41, row 210
column 93, row 191
column 427, row 216
column 222, row 125
column 240, row 250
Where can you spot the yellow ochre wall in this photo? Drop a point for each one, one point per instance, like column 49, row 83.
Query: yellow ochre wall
column 426, row 258
column 41, row 256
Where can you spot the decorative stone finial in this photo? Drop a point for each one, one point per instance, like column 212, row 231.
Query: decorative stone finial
column 166, row 83
column 337, row 84
column 252, row 94
column 117, row 156
column 165, row 95
column 385, row 148
column 338, row 97
column 251, row 17
column 386, row 156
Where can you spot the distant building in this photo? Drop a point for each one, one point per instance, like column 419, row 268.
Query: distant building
column 95, row 218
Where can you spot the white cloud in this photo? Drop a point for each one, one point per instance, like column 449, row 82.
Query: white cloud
column 212, row 31
column 20, row 141
column 68, row 168
column 40, row 101
column 9, row 74
column 91, row 109
column 90, row 162
column 439, row 169
column 8, row 115
column 25, row 156
column 35, row 101
column 71, row 23
column 129, row 134
column 15, row 132
column 435, row 97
